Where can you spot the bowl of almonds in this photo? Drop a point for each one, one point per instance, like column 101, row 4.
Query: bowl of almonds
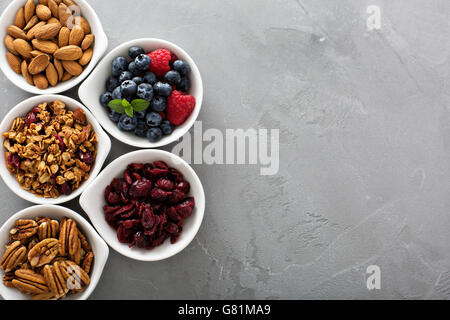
column 53, row 147
column 50, row 46
column 50, row 252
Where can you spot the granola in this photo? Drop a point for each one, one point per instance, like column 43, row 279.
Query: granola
column 51, row 150
column 50, row 263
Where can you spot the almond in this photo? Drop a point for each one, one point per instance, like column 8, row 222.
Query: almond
column 23, row 48
column 68, row 53
column 59, row 68
column 16, row 33
column 38, row 64
column 40, row 81
column 72, row 67
column 45, row 46
column 29, row 10
column 76, row 36
column 32, row 31
column 87, row 41
column 43, row 12
column 66, row 76
column 53, row 20
column 53, row 8
column 69, row 3
column 63, row 13
column 36, row 53
column 85, row 25
column 86, row 57
column 19, row 21
column 63, row 39
column 48, row 31
column 51, row 74
column 14, row 62
column 31, row 23
column 25, row 73
column 9, row 43
column 58, row 2
column 44, row 2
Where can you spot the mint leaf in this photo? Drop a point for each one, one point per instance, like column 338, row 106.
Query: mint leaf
column 140, row 104
column 129, row 110
column 116, row 105
column 125, row 103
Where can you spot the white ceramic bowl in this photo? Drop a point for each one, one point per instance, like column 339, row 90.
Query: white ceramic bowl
column 100, row 46
column 94, row 86
column 92, row 201
column 20, row 110
column 99, row 247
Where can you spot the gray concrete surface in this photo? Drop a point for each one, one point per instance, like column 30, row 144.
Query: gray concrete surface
column 364, row 119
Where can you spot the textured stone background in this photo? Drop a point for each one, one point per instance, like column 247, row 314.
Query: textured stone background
column 364, row 123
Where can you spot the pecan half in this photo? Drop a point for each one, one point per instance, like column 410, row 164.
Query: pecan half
column 43, row 252
column 15, row 255
column 87, row 262
column 8, row 278
column 69, row 240
column 28, row 281
column 23, row 229
column 55, row 281
column 84, row 243
column 76, row 278
column 43, row 296
column 48, row 229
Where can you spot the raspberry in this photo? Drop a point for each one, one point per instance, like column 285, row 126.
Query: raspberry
column 160, row 60
column 179, row 107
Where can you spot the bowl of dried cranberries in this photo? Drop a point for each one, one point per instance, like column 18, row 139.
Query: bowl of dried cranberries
column 147, row 205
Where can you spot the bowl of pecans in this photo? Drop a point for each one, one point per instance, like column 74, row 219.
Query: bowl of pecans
column 50, row 46
column 72, row 263
column 53, row 148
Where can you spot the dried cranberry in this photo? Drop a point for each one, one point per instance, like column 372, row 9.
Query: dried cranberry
column 65, row 189
column 176, row 196
column 173, row 214
column 127, row 177
column 113, row 198
column 110, row 210
column 135, row 166
column 165, row 184
column 140, row 189
column 183, row 186
column 176, row 175
column 36, row 110
column 62, row 145
column 124, row 235
column 123, row 209
column 161, row 165
column 139, row 240
column 129, row 224
column 148, row 218
column 136, row 176
column 13, row 160
column 87, row 157
column 119, row 185
column 159, row 194
column 171, row 228
column 185, row 208
column 30, row 118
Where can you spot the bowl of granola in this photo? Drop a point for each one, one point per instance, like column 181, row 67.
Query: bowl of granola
column 69, row 269
column 53, row 148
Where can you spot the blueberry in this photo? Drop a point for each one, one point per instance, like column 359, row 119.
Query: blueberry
column 150, row 77
column 111, row 83
column 128, row 89
column 166, row 127
column 154, row 134
column 141, row 129
column 141, row 114
column 133, row 52
column 117, row 93
column 142, row 62
column 172, row 77
column 158, row 103
column 162, row 89
column 134, row 69
column 127, row 123
column 114, row 116
column 124, row 76
column 145, row 91
column 153, row 119
column 106, row 98
column 184, row 85
column 119, row 65
column 182, row 67
column 138, row 80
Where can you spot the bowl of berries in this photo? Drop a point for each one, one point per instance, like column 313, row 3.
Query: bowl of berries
column 146, row 93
